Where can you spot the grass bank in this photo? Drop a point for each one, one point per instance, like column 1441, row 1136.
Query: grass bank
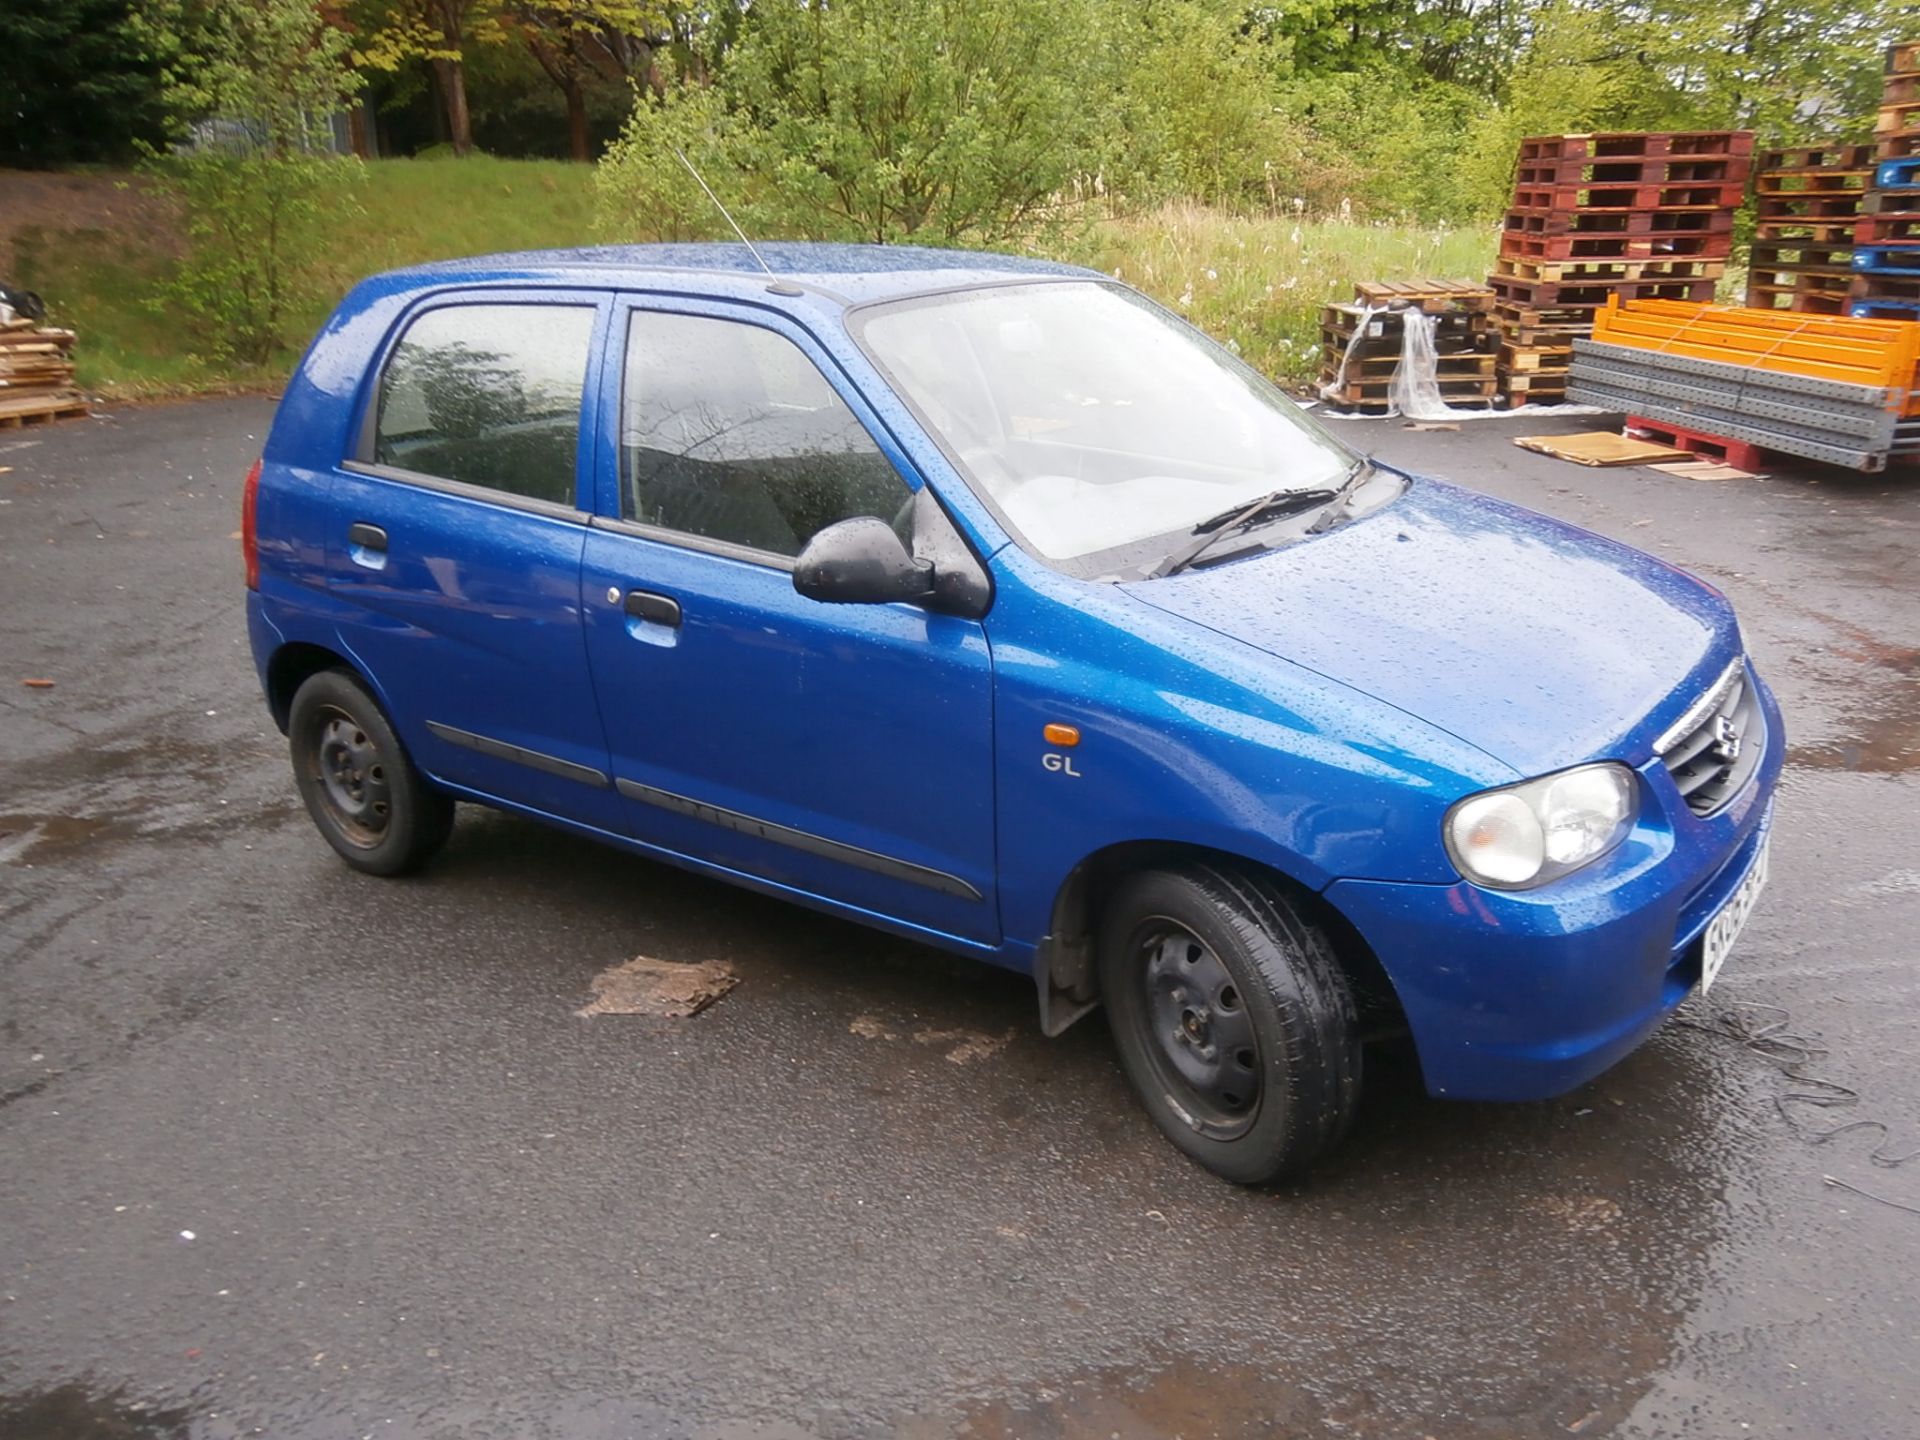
column 1257, row 283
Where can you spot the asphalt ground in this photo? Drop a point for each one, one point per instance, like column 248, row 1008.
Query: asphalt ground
column 861, row 1196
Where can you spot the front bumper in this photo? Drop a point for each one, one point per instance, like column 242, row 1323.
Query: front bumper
column 1525, row 995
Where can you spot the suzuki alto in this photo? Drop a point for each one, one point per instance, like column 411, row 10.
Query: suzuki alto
column 984, row 601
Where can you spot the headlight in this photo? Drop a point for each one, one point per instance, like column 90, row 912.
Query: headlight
column 1525, row 835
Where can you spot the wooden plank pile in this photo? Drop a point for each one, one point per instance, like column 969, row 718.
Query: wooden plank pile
column 36, row 374
column 1361, row 343
column 1806, row 207
column 1603, row 216
column 1886, row 246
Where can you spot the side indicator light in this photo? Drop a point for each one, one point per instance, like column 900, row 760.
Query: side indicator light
column 1062, row 734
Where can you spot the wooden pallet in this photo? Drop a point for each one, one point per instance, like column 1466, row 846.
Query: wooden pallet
column 1816, row 158
column 1900, row 229
column 37, row 409
column 1531, row 325
column 1589, row 196
column 1812, row 232
column 1808, row 207
column 1812, row 182
column 1446, row 367
column 1590, row 295
column 1885, row 287
column 1903, row 57
column 1594, row 272
column 1797, row 255
column 1552, row 359
column 1801, row 295
column 1620, row 144
column 1431, row 296
column 1593, row 248
column 1635, row 224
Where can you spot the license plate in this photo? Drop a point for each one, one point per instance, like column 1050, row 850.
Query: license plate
column 1725, row 927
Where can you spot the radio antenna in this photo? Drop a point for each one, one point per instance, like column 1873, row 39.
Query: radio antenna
column 779, row 286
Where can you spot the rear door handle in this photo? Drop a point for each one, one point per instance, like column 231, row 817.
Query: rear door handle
column 367, row 537
column 660, row 609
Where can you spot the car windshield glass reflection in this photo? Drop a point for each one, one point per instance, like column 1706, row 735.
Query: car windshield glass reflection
column 1090, row 418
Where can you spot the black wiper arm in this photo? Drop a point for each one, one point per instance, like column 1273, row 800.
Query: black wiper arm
column 1275, row 502
column 1356, row 472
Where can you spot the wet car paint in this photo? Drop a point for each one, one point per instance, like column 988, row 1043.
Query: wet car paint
column 436, row 1197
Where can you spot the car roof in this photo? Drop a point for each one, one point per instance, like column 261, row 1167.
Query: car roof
column 848, row 274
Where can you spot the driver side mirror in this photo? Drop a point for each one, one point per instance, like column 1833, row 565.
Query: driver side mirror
column 861, row 562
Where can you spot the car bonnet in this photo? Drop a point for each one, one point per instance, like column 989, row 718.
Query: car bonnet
column 1541, row 644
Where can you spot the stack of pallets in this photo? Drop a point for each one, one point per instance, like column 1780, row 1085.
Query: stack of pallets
column 36, row 374
column 1806, row 204
column 1886, row 251
column 1361, row 343
column 1628, row 215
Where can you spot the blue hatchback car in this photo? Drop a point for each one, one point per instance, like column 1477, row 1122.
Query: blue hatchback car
column 984, row 601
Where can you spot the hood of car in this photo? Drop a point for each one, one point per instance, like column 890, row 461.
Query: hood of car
column 1539, row 643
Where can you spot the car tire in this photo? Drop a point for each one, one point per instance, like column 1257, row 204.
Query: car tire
column 373, row 806
column 1233, row 1019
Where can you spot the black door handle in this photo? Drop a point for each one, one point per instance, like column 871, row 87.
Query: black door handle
column 367, row 537
column 660, row 609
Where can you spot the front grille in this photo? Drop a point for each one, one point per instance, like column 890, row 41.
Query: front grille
column 1718, row 743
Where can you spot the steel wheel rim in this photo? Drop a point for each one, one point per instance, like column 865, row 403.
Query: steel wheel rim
column 1200, row 1039
column 350, row 776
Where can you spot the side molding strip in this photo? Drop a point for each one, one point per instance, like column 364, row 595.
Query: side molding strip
column 800, row 840
column 519, row 755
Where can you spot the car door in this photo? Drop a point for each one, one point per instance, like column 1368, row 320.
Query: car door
column 842, row 751
column 458, row 528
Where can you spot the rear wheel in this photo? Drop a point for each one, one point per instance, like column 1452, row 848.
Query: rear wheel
column 1232, row 1018
column 363, row 792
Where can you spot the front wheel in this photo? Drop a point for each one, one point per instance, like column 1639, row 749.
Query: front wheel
column 363, row 792
column 1232, row 1018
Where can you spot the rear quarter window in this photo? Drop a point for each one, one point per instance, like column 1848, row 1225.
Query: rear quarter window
column 488, row 395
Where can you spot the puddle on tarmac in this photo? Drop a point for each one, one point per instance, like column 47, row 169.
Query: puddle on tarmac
column 71, row 1412
column 25, row 837
column 1885, row 745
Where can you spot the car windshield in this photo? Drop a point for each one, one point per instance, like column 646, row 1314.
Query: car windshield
column 1093, row 421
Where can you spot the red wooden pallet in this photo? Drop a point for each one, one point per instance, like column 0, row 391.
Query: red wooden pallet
column 1615, row 247
column 1888, row 229
column 1684, row 170
column 1619, row 222
column 1585, row 196
column 1903, row 57
column 1812, row 182
column 1891, row 202
column 1885, row 287
column 1631, row 144
column 1808, row 205
column 1741, row 454
column 1897, row 145
column 1552, row 294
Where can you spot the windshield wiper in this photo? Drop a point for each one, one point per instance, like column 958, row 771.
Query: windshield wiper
column 1356, row 472
column 1269, row 506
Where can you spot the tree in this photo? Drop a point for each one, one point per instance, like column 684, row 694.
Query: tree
column 79, row 83
column 439, row 32
column 260, row 78
column 572, row 39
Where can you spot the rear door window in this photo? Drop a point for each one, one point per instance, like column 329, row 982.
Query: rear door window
column 488, row 395
column 730, row 432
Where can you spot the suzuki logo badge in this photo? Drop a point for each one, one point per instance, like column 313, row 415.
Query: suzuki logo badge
column 1726, row 739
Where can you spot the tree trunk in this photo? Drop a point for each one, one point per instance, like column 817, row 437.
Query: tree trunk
column 452, row 75
column 577, row 119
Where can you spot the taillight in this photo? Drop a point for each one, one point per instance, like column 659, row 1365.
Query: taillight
column 249, row 537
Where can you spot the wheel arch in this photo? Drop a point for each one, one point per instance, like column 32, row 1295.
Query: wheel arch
column 292, row 665
column 1067, row 979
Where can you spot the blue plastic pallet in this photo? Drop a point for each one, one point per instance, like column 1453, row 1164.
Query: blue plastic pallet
column 1902, row 174
column 1884, row 310
column 1887, row 259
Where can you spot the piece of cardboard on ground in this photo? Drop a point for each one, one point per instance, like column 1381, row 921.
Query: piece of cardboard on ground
column 1708, row 470
column 1600, row 447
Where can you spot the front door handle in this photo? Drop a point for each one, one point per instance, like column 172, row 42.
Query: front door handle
column 367, row 537
column 659, row 609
